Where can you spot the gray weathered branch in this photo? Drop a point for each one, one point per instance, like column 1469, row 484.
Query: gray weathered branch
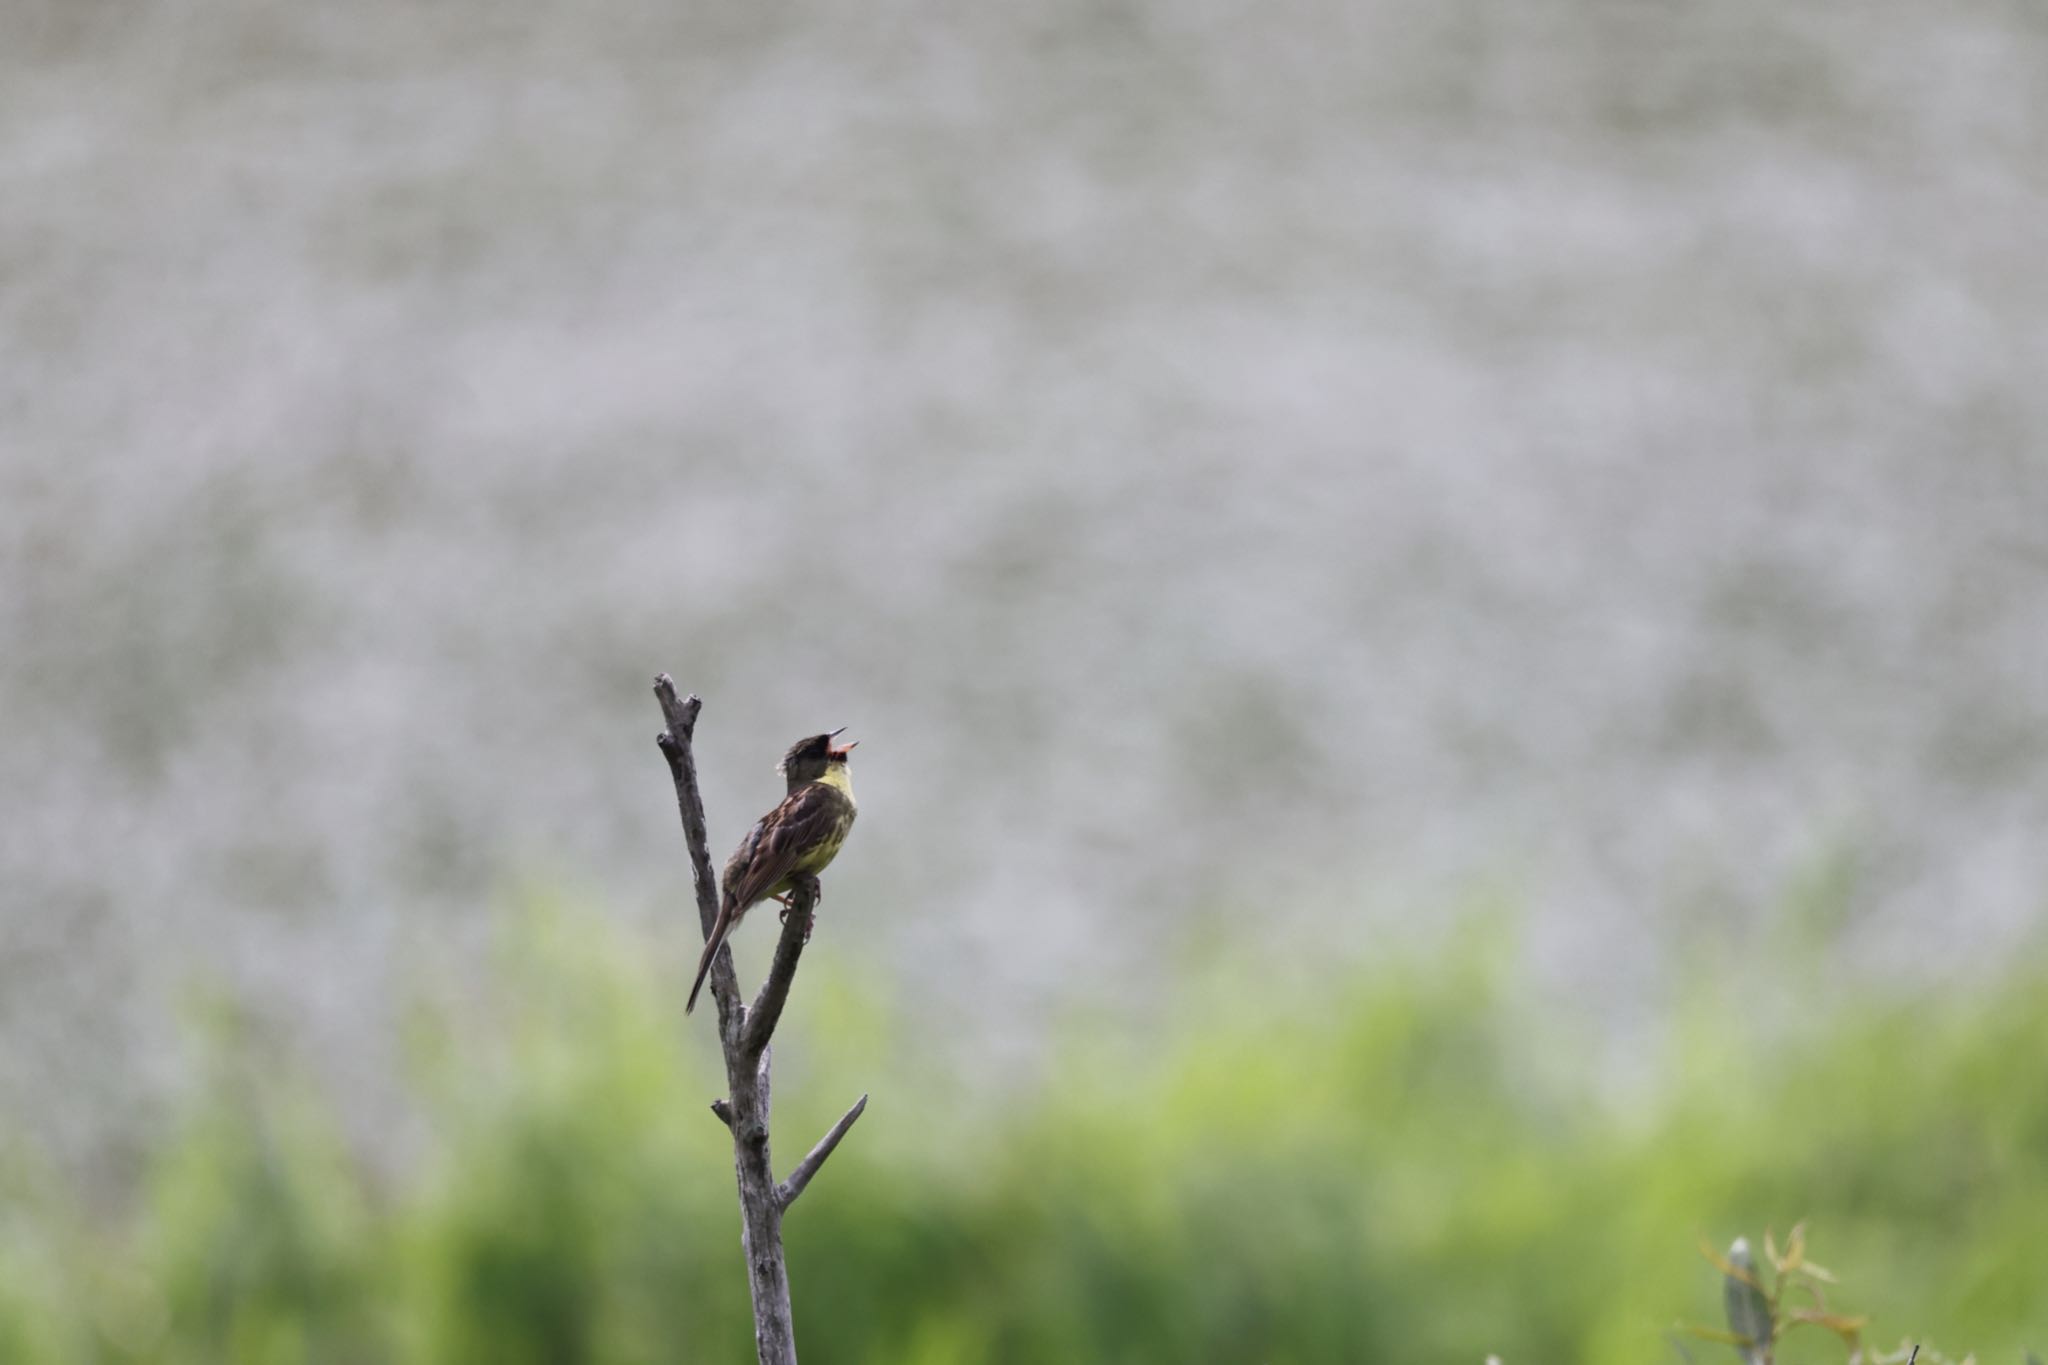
column 675, row 742
column 808, row 1167
column 796, row 931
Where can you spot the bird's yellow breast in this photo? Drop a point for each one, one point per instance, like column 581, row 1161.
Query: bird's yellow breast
column 826, row 849
column 814, row 858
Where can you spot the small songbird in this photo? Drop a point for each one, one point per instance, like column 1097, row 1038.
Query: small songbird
column 798, row 838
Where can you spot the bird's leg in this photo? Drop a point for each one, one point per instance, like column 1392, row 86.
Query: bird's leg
column 817, row 889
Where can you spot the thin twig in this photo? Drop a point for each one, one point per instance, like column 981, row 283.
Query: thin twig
column 788, row 1190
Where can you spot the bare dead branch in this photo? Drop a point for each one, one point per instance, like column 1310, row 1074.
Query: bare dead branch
column 789, row 1189
column 796, row 930
column 675, row 742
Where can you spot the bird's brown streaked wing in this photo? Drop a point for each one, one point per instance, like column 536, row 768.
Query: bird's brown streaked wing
column 805, row 816
column 742, row 858
column 767, row 854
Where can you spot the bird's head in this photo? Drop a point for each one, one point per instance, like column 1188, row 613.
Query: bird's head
column 808, row 760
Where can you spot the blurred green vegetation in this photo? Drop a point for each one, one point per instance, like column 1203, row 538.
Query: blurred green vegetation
column 1403, row 1163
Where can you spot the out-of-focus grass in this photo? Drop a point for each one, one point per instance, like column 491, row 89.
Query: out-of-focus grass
column 1407, row 1168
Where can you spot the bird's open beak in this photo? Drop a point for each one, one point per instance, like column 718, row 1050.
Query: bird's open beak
column 841, row 750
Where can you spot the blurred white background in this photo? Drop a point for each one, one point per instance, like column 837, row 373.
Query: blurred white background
column 1260, row 471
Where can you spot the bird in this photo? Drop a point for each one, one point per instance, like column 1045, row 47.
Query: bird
column 797, row 839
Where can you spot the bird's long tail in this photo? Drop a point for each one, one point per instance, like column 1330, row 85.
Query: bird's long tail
column 719, row 930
